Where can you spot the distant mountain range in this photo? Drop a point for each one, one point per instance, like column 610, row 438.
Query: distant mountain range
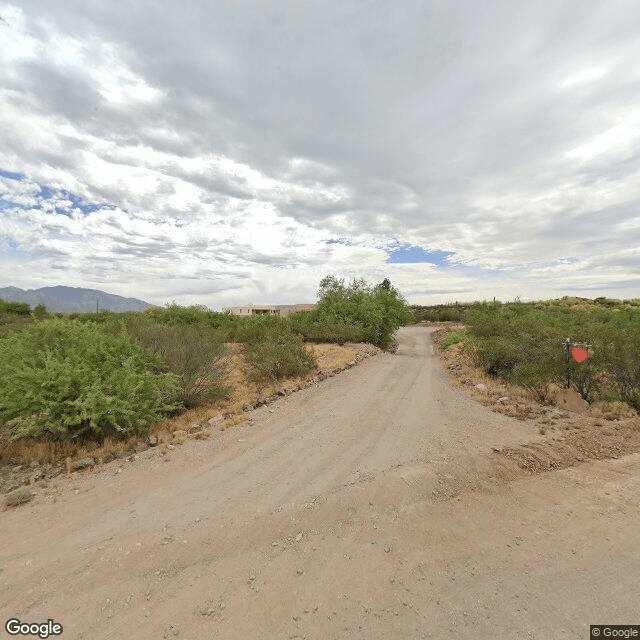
column 69, row 299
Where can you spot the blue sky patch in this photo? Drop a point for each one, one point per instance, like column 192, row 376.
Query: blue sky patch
column 408, row 254
column 11, row 175
column 79, row 203
column 47, row 193
column 10, row 242
column 7, row 204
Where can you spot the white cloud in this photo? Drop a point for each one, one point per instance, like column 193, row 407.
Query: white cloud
column 585, row 76
column 230, row 145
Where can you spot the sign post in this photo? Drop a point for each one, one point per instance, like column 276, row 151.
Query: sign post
column 579, row 350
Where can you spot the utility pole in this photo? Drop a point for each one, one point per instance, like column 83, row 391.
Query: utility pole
column 97, row 303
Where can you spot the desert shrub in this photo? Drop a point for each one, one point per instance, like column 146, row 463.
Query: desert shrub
column 18, row 497
column 484, row 321
column 523, row 343
column 454, row 338
column 273, row 349
column 450, row 312
column 315, row 330
column 176, row 315
column 195, row 315
column 194, row 353
column 102, row 317
column 12, row 324
column 621, row 348
column 498, row 356
column 74, row 381
column 40, row 311
column 15, row 308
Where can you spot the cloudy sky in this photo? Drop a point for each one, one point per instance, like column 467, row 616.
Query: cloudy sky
column 225, row 152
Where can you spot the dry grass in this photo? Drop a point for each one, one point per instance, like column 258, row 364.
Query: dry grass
column 24, row 451
column 179, row 436
column 233, row 421
column 612, row 410
column 332, row 356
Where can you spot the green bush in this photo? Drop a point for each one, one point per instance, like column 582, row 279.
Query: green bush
column 523, row 343
column 15, row 308
column 621, row 345
column 196, row 315
column 454, row 338
column 314, row 330
column 498, row 356
column 194, row 353
column 273, row 349
column 451, row 312
column 74, row 381
column 40, row 311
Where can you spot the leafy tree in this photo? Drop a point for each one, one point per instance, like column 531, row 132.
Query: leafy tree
column 374, row 311
column 40, row 311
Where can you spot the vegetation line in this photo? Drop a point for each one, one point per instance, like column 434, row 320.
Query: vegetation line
column 81, row 378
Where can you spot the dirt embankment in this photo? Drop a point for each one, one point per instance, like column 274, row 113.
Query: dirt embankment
column 601, row 432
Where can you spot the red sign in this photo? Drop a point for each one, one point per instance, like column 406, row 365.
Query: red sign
column 579, row 354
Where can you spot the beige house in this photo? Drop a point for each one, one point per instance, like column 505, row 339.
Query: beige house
column 281, row 310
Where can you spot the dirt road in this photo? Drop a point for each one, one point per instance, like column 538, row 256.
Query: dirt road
column 365, row 507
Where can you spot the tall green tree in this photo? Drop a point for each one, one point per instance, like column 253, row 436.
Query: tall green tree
column 375, row 311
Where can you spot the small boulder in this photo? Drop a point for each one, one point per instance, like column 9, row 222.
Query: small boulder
column 216, row 421
column 37, row 475
column 196, row 428
column 153, row 441
column 248, row 407
column 83, row 463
